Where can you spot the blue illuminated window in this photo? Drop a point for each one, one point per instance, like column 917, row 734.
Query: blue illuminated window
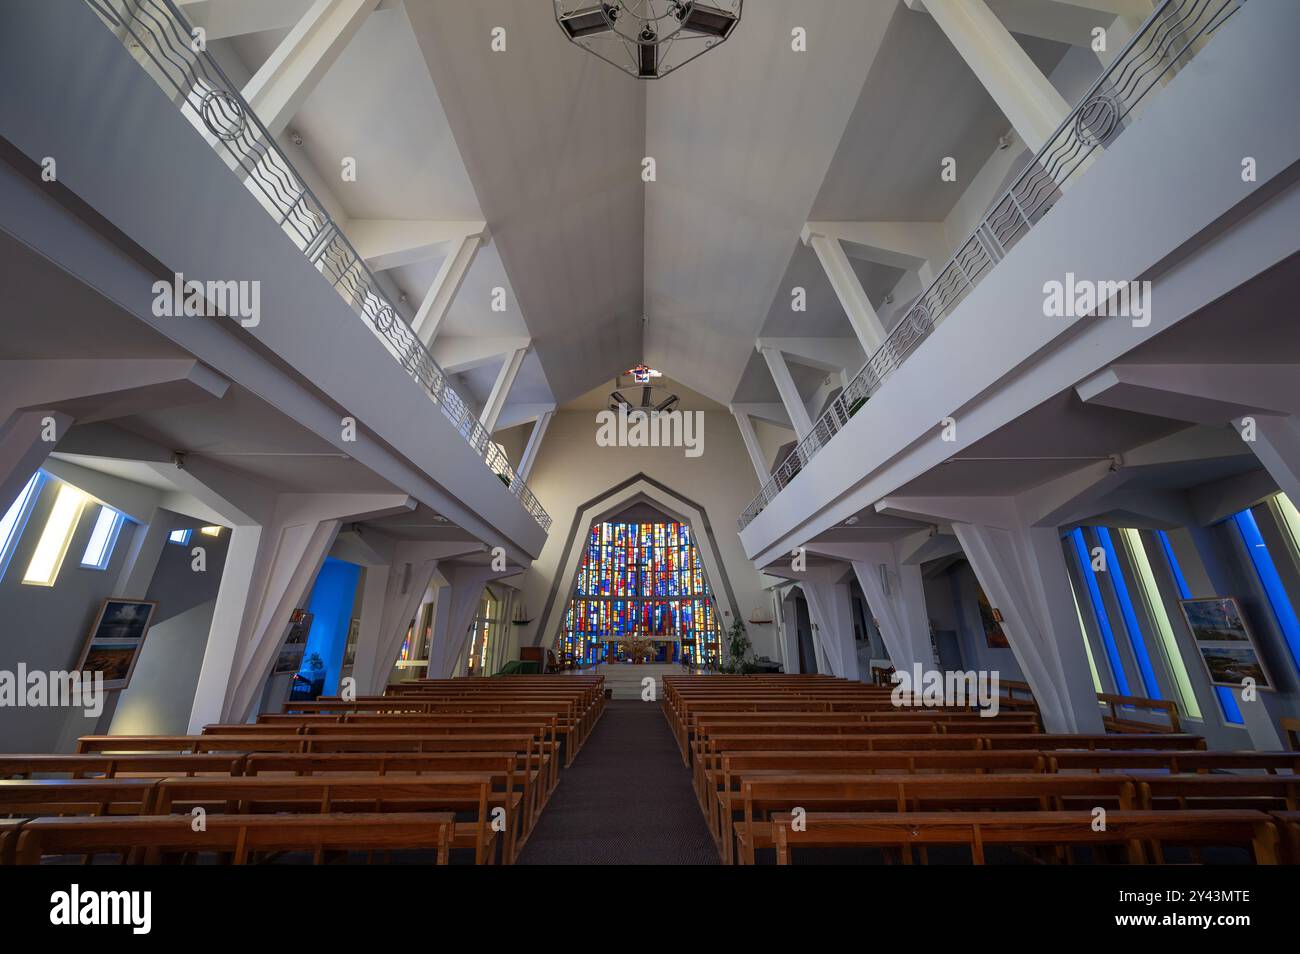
column 1278, row 600
column 1227, row 701
column 15, row 518
column 99, row 549
column 1136, row 640
column 179, row 536
column 1099, row 609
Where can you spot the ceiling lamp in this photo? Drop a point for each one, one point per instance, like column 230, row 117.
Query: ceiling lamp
column 647, row 38
column 646, row 399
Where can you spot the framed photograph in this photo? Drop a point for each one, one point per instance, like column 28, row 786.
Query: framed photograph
column 1225, row 643
column 115, row 640
column 991, row 617
column 294, row 645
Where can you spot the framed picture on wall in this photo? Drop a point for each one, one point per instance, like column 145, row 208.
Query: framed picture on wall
column 115, row 640
column 295, row 644
column 991, row 617
column 1225, row 643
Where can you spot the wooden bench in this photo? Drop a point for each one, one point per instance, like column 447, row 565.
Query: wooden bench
column 1117, row 721
column 81, row 796
column 763, row 795
column 115, row 766
column 1173, row 761
column 146, row 837
column 457, row 792
column 976, row 830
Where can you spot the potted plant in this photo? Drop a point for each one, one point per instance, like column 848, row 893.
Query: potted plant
column 738, row 646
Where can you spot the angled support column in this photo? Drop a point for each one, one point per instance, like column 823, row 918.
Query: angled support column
column 501, row 389
column 392, row 597
column 1022, row 570
column 1259, row 400
column 446, row 283
column 788, row 635
column 895, row 593
column 1025, row 96
column 534, row 445
column 853, row 297
column 830, row 608
column 283, row 83
column 276, row 548
column 751, row 444
column 788, row 390
column 453, row 614
column 40, row 400
column 391, row 243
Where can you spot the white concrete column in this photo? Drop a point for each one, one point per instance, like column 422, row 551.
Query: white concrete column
column 501, row 389
column 1023, row 572
column 830, row 609
column 1277, row 445
column 24, row 445
column 446, row 283
column 283, row 83
column 788, row 390
column 392, row 598
column 453, row 614
column 1025, row 96
column 751, row 445
column 896, row 597
column 534, row 445
column 848, row 289
column 788, row 635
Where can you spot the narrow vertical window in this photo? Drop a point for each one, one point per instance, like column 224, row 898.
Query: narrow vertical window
column 99, row 549
column 53, row 544
column 1099, row 608
column 15, row 519
column 1146, row 580
column 1266, row 571
column 1136, row 639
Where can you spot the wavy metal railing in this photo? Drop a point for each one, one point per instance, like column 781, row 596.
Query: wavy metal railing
column 1165, row 42
column 162, row 41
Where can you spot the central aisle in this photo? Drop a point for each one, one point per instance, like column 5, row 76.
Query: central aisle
column 626, row 800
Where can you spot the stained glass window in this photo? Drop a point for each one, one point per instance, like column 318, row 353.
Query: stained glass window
column 645, row 579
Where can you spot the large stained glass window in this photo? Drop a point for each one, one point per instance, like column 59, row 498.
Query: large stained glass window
column 642, row 579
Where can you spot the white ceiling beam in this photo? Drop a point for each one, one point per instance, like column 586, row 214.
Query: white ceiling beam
column 513, row 415
column 848, row 289
column 501, row 389
column 438, row 299
column 456, row 354
column 788, row 390
column 905, row 245
column 221, row 19
column 1059, row 21
column 1026, row 97
column 825, row 354
column 534, row 444
column 390, row 243
column 752, row 445
column 770, row 413
column 282, row 84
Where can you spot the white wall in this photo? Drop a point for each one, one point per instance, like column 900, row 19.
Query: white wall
column 571, row 469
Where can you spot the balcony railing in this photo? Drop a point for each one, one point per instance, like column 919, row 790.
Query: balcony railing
column 162, row 41
column 1166, row 42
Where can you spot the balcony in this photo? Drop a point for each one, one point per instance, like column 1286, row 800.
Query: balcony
column 159, row 38
column 1174, row 34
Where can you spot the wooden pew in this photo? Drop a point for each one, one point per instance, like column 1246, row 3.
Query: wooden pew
column 1288, row 824
column 117, row 766
column 1117, row 721
column 146, row 837
column 1266, row 792
column 82, row 796
column 1132, row 740
column 722, row 789
column 465, row 792
column 763, row 795
column 1173, row 761
column 975, row 830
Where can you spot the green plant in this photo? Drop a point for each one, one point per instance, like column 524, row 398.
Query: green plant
column 738, row 646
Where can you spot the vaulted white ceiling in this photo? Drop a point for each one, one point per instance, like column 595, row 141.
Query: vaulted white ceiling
column 545, row 143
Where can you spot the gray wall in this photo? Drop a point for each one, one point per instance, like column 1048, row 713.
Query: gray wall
column 45, row 627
